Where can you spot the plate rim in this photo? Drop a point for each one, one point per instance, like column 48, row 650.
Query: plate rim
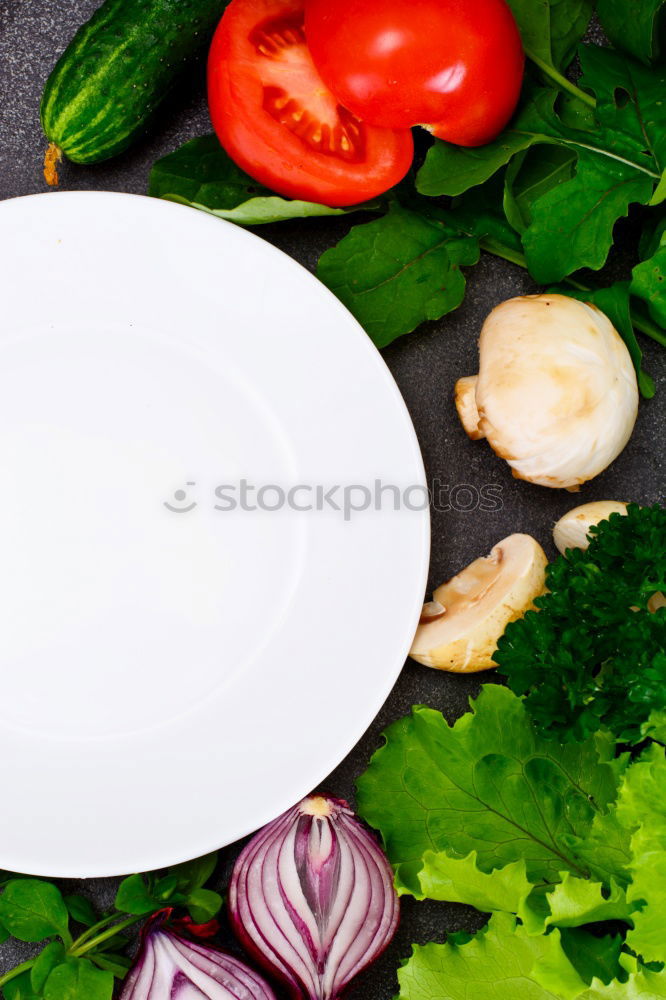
column 206, row 845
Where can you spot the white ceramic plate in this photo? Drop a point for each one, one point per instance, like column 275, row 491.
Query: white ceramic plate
column 174, row 678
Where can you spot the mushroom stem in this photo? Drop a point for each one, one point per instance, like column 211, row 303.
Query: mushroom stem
column 465, row 400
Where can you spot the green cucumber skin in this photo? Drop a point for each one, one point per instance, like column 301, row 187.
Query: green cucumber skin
column 118, row 68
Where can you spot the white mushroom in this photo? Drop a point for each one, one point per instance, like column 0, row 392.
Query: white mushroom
column 572, row 530
column 556, row 394
column 460, row 627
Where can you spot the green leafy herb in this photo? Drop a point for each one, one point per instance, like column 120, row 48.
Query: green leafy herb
column 51, row 956
column 633, row 25
column 84, row 968
column 532, row 174
column 551, row 29
column 78, row 979
column 202, row 175
column 594, row 655
column 488, row 784
column 398, row 271
column 20, row 988
column 134, row 896
column 81, row 910
column 32, row 910
column 649, row 282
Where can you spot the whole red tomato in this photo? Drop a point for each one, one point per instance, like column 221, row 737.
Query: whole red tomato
column 454, row 66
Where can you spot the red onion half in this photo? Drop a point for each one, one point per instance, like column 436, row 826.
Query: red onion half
column 171, row 967
column 312, row 898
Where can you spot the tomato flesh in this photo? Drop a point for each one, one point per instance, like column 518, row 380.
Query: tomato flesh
column 454, row 66
column 280, row 123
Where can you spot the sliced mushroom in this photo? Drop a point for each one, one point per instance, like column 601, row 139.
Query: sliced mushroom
column 556, row 394
column 478, row 604
column 572, row 530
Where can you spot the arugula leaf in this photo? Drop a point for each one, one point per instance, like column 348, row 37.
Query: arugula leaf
column 633, row 25
column 398, row 271
column 32, row 910
column 452, row 170
column 648, row 282
column 642, row 807
column 551, row 29
column 532, row 174
column 78, row 979
column 459, row 880
column 570, row 224
column 52, row 955
column 615, row 302
column 202, row 175
column 652, row 234
column 488, row 784
column 593, row 957
column 479, row 213
column 501, row 962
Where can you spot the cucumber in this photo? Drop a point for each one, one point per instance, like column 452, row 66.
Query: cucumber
column 116, row 70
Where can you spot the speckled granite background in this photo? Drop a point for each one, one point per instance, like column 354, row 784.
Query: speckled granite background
column 426, row 364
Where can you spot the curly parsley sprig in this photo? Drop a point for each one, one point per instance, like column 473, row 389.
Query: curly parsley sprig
column 594, row 655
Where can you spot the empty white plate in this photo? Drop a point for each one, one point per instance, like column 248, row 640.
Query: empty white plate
column 177, row 670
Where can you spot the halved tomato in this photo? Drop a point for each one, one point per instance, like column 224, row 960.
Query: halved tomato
column 278, row 120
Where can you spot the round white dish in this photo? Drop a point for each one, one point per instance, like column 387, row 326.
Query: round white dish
column 175, row 673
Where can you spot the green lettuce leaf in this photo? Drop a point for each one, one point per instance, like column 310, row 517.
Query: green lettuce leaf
column 202, row 175
column 642, row 806
column 397, row 271
column 606, row 848
column 576, row 902
column 592, row 957
column 487, row 784
column 641, row 984
column 500, row 963
column 460, row 880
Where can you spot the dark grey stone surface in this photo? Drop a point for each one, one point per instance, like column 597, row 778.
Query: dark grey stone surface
column 425, row 365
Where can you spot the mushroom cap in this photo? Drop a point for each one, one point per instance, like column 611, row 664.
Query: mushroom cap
column 573, row 528
column 557, row 394
column 460, row 628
